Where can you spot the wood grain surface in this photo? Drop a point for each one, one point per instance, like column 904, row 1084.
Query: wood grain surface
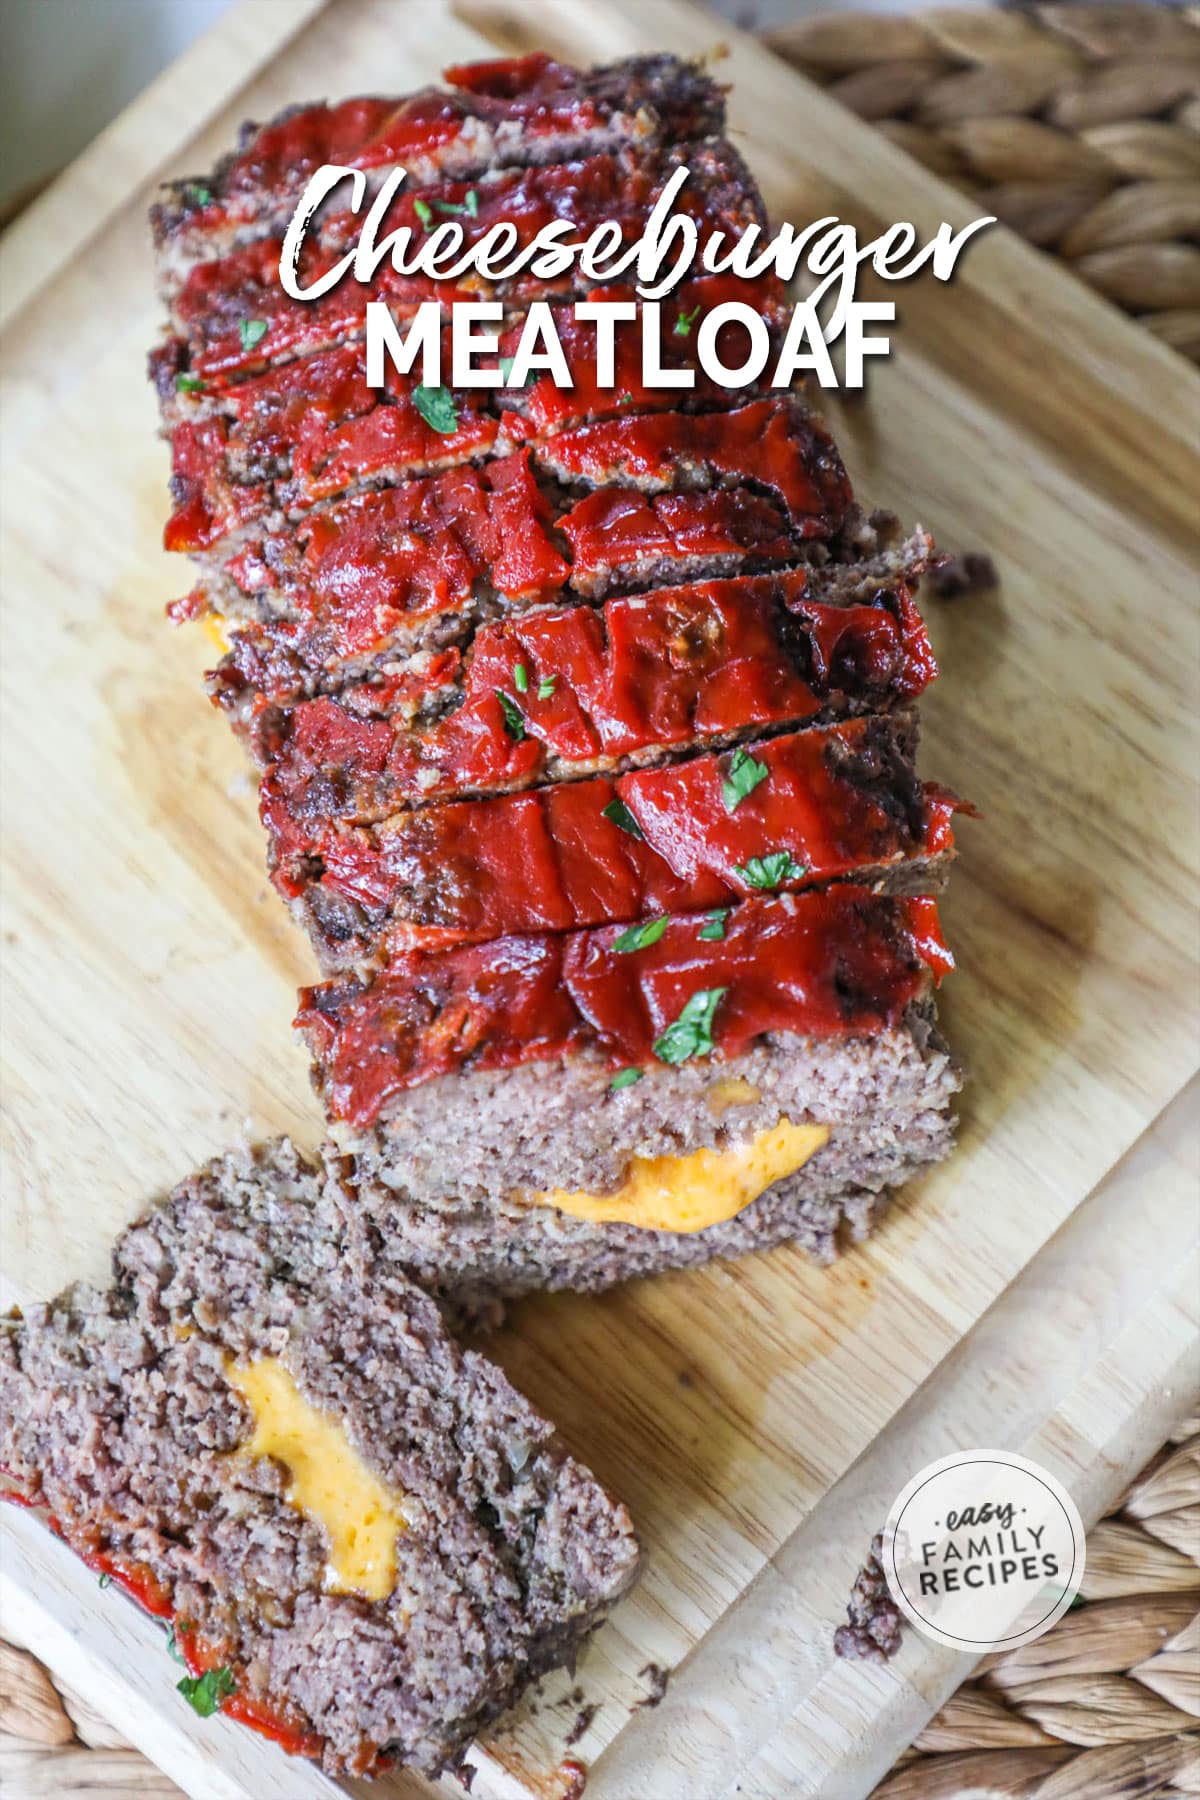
column 758, row 1416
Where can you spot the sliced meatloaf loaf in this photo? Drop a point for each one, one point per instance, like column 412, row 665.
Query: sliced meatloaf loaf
column 366, row 1541
column 662, row 1080
column 781, row 815
column 515, row 111
column 584, row 712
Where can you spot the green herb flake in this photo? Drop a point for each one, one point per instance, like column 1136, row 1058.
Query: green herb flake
column 767, row 872
column 691, row 1034
column 469, row 206
column 173, row 1650
column 640, row 937
column 204, row 1693
column 189, row 384
column 505, row 365
column 514, row 719
column 620, row 815
column 624, row 1078
column 713, row 928
column 546, row 686
column 106, row 1580
column 743, row 777
column 197, row 194
column 251, row 332
column 685, row 321
column 625, row 399
column 424, row 212
column 521, row 678
column 436, row 406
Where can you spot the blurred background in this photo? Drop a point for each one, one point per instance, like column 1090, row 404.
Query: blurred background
column 68, row 66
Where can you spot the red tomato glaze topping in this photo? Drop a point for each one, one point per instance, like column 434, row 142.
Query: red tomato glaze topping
column 674, row 667
column 800, row 810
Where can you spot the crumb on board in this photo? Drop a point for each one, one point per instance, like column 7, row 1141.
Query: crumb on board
column 956, row 577
column 583, row 1720
column 656, row 1679
column 872, row 1633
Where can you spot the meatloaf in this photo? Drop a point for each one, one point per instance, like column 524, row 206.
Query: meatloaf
column 583, row 714
column 365, row 1540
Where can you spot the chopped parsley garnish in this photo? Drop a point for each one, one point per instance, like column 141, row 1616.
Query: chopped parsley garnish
column 640, row 937
column 470, row 205
column 173, row 1650
column 546, row 686
column 625, row 399
column 189, row 384
column 713, row 927
column 251, row 332
column 106, row 1580
column 197, row 193
column 436, row 406
column 771, row 871
column 505, row 365
column 514, row 719
column 204, row 1693
column 691, row 1034
column 521, row 678
column 743, row 777
column 624, row 1078
column 424, row 212
column 685, row 321
column 620, row 815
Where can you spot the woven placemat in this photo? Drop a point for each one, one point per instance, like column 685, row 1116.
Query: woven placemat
column 1104, row 1707
column 1077, row 125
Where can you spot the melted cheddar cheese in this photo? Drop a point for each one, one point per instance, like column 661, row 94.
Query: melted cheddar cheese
column 214, row 625
column 689, row 1193
column 330, row 1480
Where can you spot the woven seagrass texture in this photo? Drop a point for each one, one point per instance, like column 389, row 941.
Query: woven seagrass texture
column 1107, row 1704
column 1077, row 125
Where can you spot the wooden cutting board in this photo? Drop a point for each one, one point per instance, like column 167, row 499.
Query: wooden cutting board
column 759, row 1417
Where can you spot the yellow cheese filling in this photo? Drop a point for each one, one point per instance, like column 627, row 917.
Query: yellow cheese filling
column 330, row 1480
column 689, row 1193
column 214, row 625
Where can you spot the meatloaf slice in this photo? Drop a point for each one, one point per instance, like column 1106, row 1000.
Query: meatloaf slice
column 535, row 1064
column 636, row 681
column 366, row 1540
column 781, row 815
column 219, row 300
column 521, row 110
column 279, row 442
column 885, row 1100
